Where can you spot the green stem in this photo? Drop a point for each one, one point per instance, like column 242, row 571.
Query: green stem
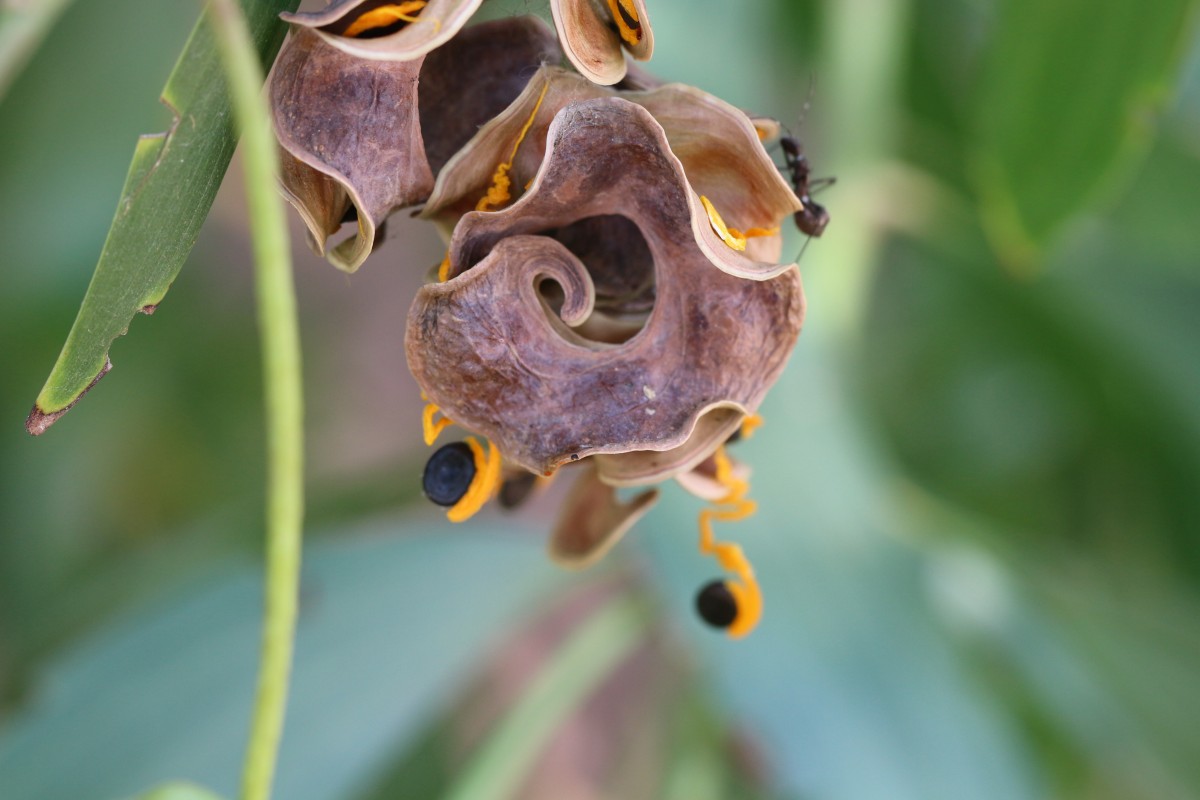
column 282, row 388
column 577, row 669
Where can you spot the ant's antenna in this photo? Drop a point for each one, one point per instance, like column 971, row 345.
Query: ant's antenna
column 807, row 241
column 804, row 109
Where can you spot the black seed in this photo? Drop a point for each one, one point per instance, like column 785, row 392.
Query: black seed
column 448, row 473
column 514, row 491
column 716, row 605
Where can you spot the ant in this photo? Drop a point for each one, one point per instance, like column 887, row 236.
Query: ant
column 812, row 218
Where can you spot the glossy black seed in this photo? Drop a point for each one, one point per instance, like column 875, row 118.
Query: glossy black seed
column 515, row 490
column 716, row 605
column 448, row 473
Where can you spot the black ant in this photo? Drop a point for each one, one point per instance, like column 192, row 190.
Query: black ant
column 812, row 218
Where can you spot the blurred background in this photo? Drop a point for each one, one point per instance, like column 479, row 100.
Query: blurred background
column 979, row 480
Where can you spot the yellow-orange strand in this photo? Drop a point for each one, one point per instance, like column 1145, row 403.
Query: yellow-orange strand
column 750, row 424
column 731, row 508
column 444, row 268
column 387, row 15
column 732, row 236
column 497, row 194
column 753, row 233
column 485, row 484
column 630, row 35
column 430, row 427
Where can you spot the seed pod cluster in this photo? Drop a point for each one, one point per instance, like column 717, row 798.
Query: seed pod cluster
column 612, row 302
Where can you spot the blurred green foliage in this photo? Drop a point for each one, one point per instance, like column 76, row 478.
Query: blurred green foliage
column 979, row 484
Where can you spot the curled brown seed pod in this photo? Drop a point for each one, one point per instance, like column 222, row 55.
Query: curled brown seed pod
column 489, row 350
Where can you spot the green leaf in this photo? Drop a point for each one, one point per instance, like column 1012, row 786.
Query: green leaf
column 577, row 669
column 170, row 187
column 1066, row 100
column 395, row 616
column 702, row 763
column 178, row 791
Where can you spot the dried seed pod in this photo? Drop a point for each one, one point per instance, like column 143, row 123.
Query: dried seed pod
column 353, row 123
column 640, row 467
column 362, row 139
column 718, row 146
column 622, row 270
column 595, row 34
column 477, row 75
column 592, row 520
column 518, row 134
column 385, row 30
column 486, row 347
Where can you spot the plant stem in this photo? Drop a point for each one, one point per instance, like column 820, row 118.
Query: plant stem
column 279, row 330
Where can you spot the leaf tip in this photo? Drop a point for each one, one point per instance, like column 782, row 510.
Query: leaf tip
column 38, row 420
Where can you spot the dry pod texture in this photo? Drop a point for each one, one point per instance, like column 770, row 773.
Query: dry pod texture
column 362, row 138
column 718, row 145
column 612, row 299
column 387, row 31
column 593, row 519
column 318, row 93
column 485, row 350
column 596, row 34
